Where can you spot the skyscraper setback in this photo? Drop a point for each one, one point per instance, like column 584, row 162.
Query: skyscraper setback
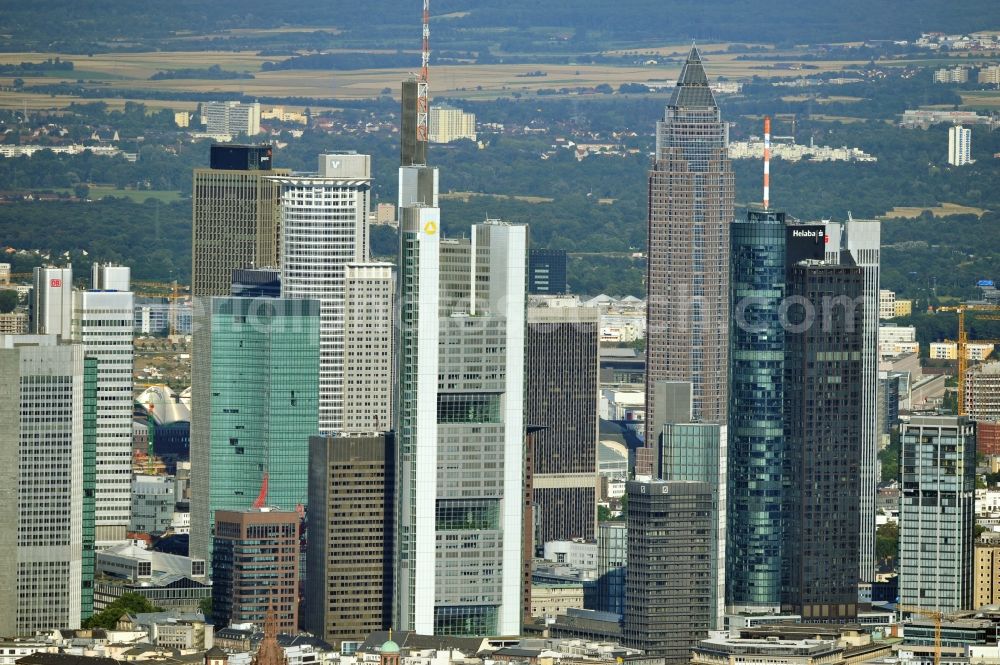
column 691, row 190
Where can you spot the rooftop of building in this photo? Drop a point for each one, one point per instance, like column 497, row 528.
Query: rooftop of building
column 408, row 640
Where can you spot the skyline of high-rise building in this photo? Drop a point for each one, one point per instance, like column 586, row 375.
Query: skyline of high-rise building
column 461, row 427
column 691, row 198
column 48, row 407
column 562, row 396
column 324, row 227
column 369, row 347
column 250, row 431
column 937, row 513
column 103, row 324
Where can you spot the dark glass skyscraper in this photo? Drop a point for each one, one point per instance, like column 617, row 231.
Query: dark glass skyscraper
column 691, row 189
column 823, row 342
column 756, row 417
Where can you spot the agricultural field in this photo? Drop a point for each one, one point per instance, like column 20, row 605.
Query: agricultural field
column 941, row 210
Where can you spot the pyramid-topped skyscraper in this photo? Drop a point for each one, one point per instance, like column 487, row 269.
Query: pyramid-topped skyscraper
column 691, row 189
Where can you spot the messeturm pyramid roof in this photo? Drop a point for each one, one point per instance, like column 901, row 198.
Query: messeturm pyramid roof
column 692, row 87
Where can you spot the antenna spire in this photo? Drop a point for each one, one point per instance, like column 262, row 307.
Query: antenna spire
column 423, row 102
column 767, row 161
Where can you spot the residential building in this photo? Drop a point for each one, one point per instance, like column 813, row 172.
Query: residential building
column 562, row 396
column 173, row 629
column 461, row 427
column 937, row 513
column 233, row 118
column 669, row 579
column 886, row 304
column 951, row 75
column 48, row 406
column 547, row 271
column 255, row 407
column 903, row 308
column 102, row 323
column 14, row 323
column 990, row 75
column 612, row 558
column 691, row 190
column 823, row 428
column 988, row 438
column 987, row 576
column 4, row 274
column 351, row 533
column 369, row 341
column 982, row 391
column 697, row 452
column 255, row 568
column 857, row 242
column 894, row 339
column 324, row 222
column 166, row 580
column 153, row 503
column 975, row 351
column 52, row 302
column 448, row 124
column 959, row 145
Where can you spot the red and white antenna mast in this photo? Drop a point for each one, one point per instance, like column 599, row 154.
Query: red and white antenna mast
column 767, row 161
column 423, row 103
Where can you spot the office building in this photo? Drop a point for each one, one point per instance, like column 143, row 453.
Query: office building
column 255, row 568
column 234, row 217
column 48, row 402
column 823, row 409
column 612, row 558
column 756, row 387
column 446, row 124
column 562, row 396
column 547, row 271
column 169, row 581
column 233, row 118
column 691, row 190
column 52, row 302
column 102, row 323
column 669, row 580
column 987, row 576
column 697, row 452
column 4, row 274
column 153, row 502
column 351, row 528
column 959, row 145
column 858, row 242
column 257, row 385
column 937, row 513
column 982, row 391
column 14, row 323
column 256, row 283
column 886, row 304
column 725, row 649
column 461, row 428
column 369, row 340
column 324, row 220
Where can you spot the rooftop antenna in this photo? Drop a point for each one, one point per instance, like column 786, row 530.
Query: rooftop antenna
column 423, row 104
column 767, row 161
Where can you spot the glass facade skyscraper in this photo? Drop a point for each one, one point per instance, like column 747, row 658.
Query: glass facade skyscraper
column 756, row 411
column 261, row 404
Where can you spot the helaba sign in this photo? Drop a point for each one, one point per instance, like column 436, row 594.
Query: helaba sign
column 807, row 233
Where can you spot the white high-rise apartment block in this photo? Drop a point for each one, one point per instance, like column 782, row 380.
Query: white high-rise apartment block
column 103, row 324
column 989, row 74
column 959, row 145
column 369, row 327
column 231, row 118
column 448, row 124
column 886, row 304
column 859, row 240
column 461, row 427
column 324, row 226
column 42, row 475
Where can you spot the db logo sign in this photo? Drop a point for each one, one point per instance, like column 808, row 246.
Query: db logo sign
column 55, row 283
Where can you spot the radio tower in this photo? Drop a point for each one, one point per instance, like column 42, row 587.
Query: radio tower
column 767, row 161
column 423, row 104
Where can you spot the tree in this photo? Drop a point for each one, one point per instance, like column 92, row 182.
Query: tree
column 603, row 514
column 8, row 300
column 887, row 542
column 205, row 606
column 129, row 603
column 889, row 457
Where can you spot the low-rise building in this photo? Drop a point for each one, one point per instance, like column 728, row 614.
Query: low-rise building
column 170, row 581
column 549, row 600
column 948, row 350
column 886, row 304
column 14, row 323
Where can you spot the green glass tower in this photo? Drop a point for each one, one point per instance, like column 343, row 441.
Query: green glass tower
column 89, row 484
column 262, row 406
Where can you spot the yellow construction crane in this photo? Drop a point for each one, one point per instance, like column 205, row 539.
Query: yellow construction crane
column 935, row 615
column 984, row 312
